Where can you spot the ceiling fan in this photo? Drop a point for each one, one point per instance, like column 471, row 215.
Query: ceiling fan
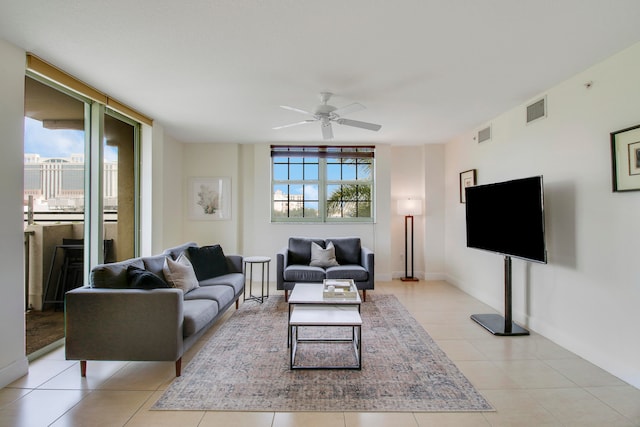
column 325, row 114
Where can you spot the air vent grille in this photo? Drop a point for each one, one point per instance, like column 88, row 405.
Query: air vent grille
column 537, row 110
column 484, row 134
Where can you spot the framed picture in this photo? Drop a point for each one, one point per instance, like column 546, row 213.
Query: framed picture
column 467, row 179
column 625, row 157
column 209, row 198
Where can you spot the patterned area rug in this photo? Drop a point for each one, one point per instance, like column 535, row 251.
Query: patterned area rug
column 244, row 367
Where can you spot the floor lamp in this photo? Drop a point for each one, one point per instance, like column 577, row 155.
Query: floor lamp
column 409, row 208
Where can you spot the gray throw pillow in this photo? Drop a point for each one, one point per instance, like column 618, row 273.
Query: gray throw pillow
column 323, row 257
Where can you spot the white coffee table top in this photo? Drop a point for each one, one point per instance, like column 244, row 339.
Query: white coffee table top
column 321, row 315
column 311, row 293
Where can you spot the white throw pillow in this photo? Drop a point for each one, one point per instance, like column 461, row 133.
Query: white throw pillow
column 323, row 257
column 180, row 274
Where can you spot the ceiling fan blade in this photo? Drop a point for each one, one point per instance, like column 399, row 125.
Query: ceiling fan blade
column 348, row 109
column 359, row 124
column 297, row 110
column 293, row 124
column 327, row 130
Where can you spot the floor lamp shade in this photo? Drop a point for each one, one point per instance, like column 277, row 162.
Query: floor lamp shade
column 409, row 208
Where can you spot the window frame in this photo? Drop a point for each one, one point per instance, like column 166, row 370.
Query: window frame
column 321, row 156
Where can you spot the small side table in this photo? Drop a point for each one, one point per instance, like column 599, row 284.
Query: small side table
column 263, row 260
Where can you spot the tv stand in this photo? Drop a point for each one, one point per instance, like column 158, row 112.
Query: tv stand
column 495, row 323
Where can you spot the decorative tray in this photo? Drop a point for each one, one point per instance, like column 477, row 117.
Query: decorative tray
column 339, row 288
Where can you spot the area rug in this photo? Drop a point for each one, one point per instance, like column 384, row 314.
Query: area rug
column 244, row 366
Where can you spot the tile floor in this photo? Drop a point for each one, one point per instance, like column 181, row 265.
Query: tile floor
column 529, row 380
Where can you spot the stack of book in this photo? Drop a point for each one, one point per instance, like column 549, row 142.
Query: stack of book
column 339, row 288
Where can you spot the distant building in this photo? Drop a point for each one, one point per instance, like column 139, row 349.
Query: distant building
column 58, row 183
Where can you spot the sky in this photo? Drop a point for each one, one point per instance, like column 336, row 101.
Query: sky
column 57, row 142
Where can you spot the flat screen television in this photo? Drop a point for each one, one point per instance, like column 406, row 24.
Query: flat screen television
column 508, row 218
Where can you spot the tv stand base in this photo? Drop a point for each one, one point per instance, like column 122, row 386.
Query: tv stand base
column 497, row 325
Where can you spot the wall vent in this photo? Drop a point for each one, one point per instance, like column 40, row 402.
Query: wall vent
column 537, row 110
column 484, row 134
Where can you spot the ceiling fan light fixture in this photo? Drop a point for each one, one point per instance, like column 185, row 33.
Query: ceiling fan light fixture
column 325, row 114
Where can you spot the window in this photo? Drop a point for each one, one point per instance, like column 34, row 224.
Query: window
column 322, row 184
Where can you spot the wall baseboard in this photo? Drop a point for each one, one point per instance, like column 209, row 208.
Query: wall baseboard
column 13, row 371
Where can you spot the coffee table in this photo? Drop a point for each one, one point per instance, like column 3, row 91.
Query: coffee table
column 308, row 307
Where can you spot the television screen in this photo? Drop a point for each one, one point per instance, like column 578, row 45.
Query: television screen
column 508, row 218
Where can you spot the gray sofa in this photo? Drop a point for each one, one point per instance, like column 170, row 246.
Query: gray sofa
column 127, row 314
column 354, row 262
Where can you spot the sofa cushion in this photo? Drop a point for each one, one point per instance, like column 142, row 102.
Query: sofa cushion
column 304, row 273
column 197, row 314
column 347, row 249
column 113, row 275
column 139, row 278
column 180, row 274
column 351, row 271
column 155, row 264
column 300, row 249
column 323, row 257
column 234, row 280
column 208, row 261
column 222, row 294
column 176, row 251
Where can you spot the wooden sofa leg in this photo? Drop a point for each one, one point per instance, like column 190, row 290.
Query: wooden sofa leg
column 286, row 295
column 179, row 367
column 364, row 295
column 83, row 368
column 237, row 303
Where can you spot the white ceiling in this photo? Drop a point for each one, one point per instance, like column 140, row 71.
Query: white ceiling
column 217, row 70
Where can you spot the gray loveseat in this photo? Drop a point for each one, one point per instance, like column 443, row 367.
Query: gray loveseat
column 353, row 260
column 125, row 313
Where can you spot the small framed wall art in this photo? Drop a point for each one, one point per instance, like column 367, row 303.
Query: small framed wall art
column 467, row 179
column 625, row 158
column 209, row 198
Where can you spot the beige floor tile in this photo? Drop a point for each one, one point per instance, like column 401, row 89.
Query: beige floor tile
column 380, row 419
column 460, row 350
column 40, row 372
column 518, row 347
column 454, row 331
column 533, row 374
column 10, row 395
column 237, row 419
column 577, row 407
column 584, row 373
column 485, row 375
column 102, row 408
column 145, row 417
column 98, row 372
column 39, row 408
column 455, row 419
column 141, row 376
column 517, row 408
column 624, row 399
column 308, row 419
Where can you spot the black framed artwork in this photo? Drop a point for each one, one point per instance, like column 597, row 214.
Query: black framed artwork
column 467, row 179
column 625, row 158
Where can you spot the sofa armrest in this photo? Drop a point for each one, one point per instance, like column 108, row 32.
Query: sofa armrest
column 282, row 260
column 367, row 258
column 123, row 324
column 235, row 263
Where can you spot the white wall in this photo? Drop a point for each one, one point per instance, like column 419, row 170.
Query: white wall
column 13, row 363
column 212, row 160
column 587, row 297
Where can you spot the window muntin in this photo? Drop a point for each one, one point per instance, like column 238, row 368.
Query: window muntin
column 322, row 184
